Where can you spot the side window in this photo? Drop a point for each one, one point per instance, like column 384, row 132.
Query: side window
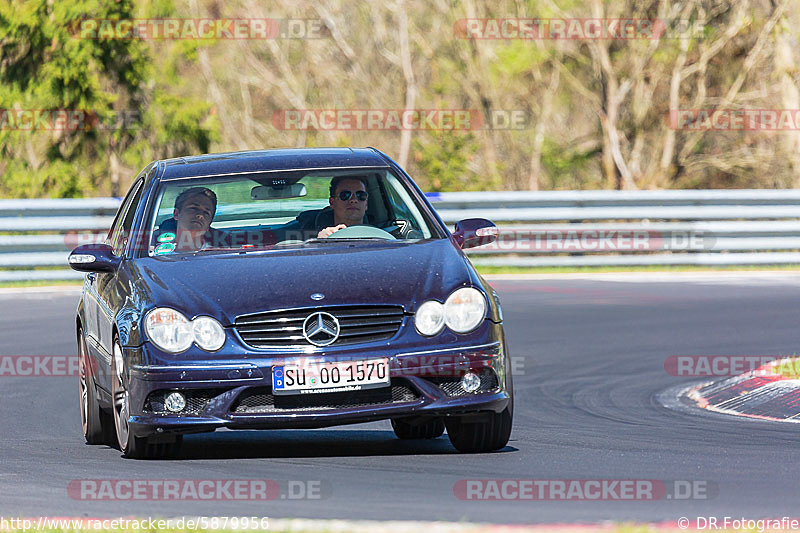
column 404, row 207
column 119, row 216
column 399, row 207
column 122, row 226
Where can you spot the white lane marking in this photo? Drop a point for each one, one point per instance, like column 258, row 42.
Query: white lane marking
column 776, row 277
column 40, row 292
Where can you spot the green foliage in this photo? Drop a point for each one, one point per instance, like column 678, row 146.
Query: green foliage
column 445, row 160
column 182, row 125
column 59, row 177
column 569, row 169
column 47, row 66
column 518, row 58
column 359, row 63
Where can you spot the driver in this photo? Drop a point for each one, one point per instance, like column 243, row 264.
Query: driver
column 348, row 201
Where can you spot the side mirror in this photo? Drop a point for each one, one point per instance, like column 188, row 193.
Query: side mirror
column 472, row 232
column 93, row 258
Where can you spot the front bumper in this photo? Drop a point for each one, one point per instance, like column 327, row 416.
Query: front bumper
column 423, row 384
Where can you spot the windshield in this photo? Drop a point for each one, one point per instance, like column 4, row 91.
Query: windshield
column 261, row 210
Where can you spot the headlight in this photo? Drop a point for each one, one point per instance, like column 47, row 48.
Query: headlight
column 169, row 330
column 208, row 333
column 429, row 318
column 464, row 310
column 174, row 333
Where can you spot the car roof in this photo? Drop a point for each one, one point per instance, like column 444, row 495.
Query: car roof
column 266, row 160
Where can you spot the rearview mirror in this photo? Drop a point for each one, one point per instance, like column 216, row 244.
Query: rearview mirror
column 278, row 192
column 472, row 232
column 93, row 258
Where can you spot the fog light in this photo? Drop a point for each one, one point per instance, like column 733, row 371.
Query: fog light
column 470, row 382
column 175, row 402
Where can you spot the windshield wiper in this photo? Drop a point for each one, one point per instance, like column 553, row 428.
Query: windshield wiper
column 342, row 239
column 216, row 249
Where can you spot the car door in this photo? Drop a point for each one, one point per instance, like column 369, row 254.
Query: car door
column 104, row 286
column 91, row 306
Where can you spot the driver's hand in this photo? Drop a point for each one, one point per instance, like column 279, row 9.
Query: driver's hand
column 327, row 232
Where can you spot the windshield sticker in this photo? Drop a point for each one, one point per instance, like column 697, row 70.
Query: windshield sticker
column 165, row 248
column 166, row 237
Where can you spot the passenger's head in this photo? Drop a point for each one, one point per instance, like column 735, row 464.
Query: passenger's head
column 194, row 209
column 348, row 199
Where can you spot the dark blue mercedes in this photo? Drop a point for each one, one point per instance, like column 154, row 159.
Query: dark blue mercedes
column 287, row 289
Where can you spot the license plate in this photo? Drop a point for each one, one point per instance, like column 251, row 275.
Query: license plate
column 337, row 376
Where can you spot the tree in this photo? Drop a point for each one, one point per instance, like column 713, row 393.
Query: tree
column 48, row 71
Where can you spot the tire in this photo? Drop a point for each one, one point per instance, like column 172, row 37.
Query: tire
column 482, row 436
column 130, row 445
column 97, row 425
column 429, row 429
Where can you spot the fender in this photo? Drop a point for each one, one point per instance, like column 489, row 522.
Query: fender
column 127, row 324
column 79, row 316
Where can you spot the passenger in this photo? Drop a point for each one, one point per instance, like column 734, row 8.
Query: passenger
column 348, row 201
column 194, row 211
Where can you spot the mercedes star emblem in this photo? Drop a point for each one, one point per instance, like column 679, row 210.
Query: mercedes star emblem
column 321, row 329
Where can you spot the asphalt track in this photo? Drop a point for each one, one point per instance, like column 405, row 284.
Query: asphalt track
column 590, row 371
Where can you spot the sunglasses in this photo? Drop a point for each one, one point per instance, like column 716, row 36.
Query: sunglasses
column 346, row 195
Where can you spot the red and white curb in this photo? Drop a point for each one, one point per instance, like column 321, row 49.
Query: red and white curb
column 764, row 393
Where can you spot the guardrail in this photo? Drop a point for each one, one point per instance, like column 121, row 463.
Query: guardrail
column 547, row 228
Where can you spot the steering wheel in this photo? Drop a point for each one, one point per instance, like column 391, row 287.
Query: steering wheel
column 361, row 231
column 400, row 228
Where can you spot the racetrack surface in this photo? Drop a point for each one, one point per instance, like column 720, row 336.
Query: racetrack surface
column 586, row 407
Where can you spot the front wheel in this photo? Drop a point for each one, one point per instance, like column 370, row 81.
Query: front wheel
column 129, row 444
column 97, row 426
column 480, row 436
